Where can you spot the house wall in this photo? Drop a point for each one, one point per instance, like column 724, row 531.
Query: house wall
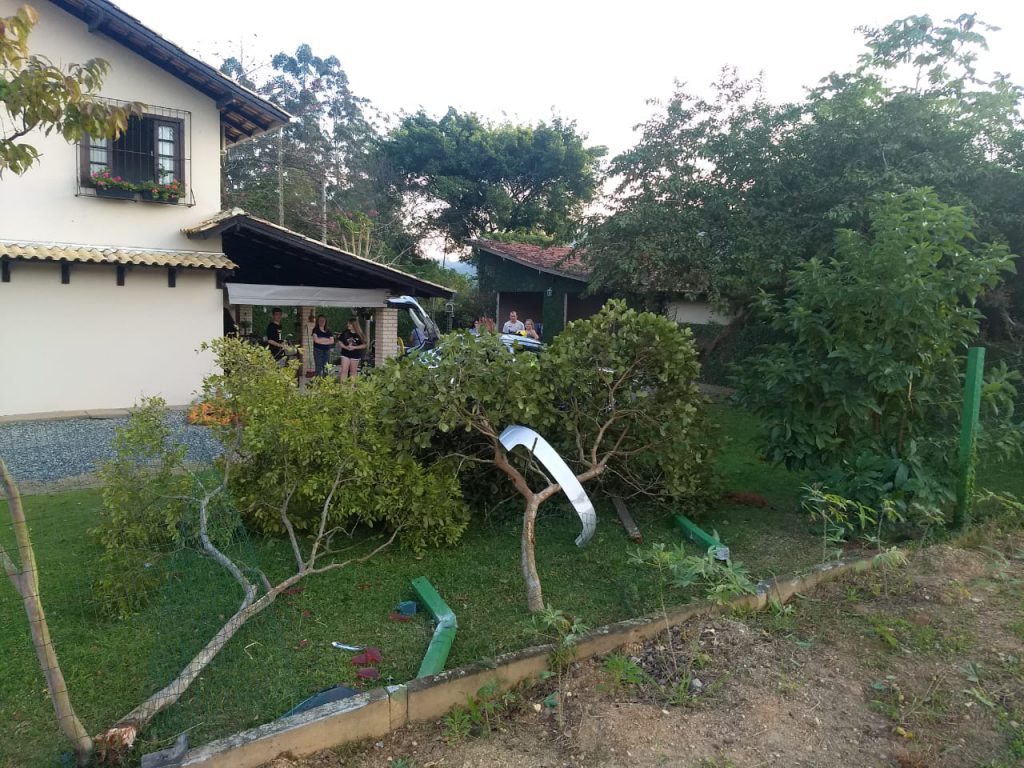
column 92, row 344
column 42, row 205
column 695, row 312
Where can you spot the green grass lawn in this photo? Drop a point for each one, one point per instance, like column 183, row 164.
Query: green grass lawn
column 284, row 655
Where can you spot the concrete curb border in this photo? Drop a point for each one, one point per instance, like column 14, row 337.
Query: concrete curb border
column 375, row 713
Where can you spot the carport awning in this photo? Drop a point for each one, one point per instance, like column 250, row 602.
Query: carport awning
column 273, row 255
column 304, row 296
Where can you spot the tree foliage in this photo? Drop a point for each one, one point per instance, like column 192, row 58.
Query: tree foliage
column 38, row 96
column 725, row 195
column 322, row 172
column 144, row 507
column 324, row 448
column 465, row 177
column 867, row 390
column 615, row 394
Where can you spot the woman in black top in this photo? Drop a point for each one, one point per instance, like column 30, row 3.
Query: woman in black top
column 353, row 343
column 323, row 342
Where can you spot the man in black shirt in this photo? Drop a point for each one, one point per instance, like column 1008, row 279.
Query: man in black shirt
column 275, row 338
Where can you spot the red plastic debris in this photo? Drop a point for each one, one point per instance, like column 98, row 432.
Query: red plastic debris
column 396, row 616
column 368, row 673
column 370, row 656
column 294, row 590
column 307, row 614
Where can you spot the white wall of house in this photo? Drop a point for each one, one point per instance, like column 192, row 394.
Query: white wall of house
column 42, row 205
column 695, row 312
column 92, row 344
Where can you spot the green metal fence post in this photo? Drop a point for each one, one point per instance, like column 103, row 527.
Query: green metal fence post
column 968, row 435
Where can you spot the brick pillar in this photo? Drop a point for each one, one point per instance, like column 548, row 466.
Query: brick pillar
column 385, row 335
column 245, row 318
column 306, row 340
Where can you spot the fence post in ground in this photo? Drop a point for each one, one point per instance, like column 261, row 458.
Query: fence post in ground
column 968, row 435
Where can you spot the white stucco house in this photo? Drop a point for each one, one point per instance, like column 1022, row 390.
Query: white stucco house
column 104, row 300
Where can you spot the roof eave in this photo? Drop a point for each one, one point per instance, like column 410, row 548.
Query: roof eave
column 249, row 108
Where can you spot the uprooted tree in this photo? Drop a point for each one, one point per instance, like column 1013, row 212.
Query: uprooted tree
column 311, row 465
column 616, row 395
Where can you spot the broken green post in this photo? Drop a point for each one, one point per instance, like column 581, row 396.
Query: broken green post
column 969, row 434
column 701, row 538
column 444, row 635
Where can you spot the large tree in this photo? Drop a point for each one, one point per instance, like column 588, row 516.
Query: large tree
column 320, row 175
column 725, row 195
column 464, row 177
column 36, row 95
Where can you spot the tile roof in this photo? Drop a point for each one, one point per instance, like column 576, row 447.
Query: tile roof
column 558, row 259
column 93, row 254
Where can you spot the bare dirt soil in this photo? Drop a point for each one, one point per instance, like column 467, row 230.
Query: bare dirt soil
column 916, row 667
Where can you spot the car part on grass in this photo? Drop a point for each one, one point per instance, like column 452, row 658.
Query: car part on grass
column 560, row 472
column 702, row 539
column 444, row 635
column 343, row 647
column 627, row 520
column 406, row 608
column 368, row 657
column 326, row 696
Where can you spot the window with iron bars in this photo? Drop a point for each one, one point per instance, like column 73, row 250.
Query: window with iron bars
column 151, row 152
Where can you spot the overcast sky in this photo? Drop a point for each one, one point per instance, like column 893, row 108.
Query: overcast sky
column 593, row 62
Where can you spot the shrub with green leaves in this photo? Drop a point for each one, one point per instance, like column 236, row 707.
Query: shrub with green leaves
column 867, row 392
column 621, row 384
column 327, row 446
column 144, row 505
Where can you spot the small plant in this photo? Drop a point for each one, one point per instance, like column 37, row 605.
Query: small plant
column 566, row 631
column 457, row 724
column 167, row 191
column 722, row 580
column 623, row 672
column 481, row 713
column 106, row 180
column 841, row 517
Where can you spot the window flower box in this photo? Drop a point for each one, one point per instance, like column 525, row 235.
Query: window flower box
column 167, row 193
column 117, row 194
column 108, row 185
column 149, row 197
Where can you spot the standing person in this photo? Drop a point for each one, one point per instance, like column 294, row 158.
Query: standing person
column 512, row 325
column 275, row 337
column 530, row 331
column 323, row 343
column 353, row 343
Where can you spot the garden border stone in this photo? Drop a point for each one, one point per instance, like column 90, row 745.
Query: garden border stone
column 376, row 713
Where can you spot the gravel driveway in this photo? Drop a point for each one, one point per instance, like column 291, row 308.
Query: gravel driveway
column 49, row 451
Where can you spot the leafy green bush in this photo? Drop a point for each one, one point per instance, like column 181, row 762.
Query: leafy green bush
column 144, row 505
column 621, row 383
column 326, row 446
column 867, row 393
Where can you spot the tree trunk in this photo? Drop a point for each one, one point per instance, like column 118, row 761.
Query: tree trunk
column 27, row 583
column 534, row 596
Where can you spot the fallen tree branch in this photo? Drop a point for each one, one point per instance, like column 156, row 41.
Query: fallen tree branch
column 26, row 582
